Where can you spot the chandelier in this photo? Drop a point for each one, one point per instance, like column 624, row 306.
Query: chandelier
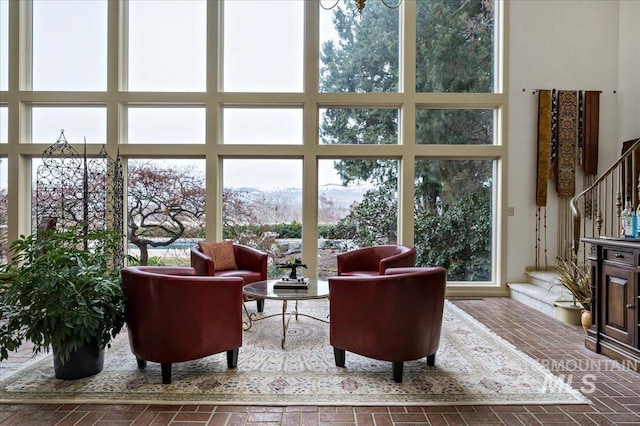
column 360, row 4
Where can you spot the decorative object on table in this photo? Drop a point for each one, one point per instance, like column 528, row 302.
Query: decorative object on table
column 293, row 265
column 58, row 294
column 292, row 283
column 268, row 290
column 577, row 279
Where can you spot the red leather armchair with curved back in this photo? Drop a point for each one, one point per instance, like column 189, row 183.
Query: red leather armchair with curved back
column 374, row 260
column 173, row 315
column 251, row 263
column 395, row 317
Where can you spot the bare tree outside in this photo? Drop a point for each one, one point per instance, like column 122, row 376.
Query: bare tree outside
column 165, row 204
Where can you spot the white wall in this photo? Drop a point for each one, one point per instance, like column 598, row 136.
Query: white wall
column 629, row 74
column 571, row 45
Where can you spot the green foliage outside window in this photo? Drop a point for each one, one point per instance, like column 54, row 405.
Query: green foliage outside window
column 454, row 46
column 467, row 222
column 454, row 53
column 374, row 220
column 453, row 203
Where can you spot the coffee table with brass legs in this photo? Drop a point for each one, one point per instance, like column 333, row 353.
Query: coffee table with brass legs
column 264, row 290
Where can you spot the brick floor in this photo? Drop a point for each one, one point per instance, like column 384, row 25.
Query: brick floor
column 614, row 391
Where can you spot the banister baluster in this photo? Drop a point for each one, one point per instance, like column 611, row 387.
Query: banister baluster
column 617, row 181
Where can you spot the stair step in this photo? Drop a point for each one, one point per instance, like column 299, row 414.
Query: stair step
column 547, row 279
column 540, row 297
column 537, row 297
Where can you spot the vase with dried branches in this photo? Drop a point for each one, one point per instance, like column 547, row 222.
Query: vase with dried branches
column 576, row 278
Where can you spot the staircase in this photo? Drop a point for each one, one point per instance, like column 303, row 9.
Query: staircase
column 542, row 293
column 595, row 213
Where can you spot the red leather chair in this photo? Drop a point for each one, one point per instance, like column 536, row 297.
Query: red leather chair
column 374, row 260
column 251, row 263
column 173, row 315
column 405, row 323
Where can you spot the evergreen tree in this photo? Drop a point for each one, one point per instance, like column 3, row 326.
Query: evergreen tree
column 454, row 53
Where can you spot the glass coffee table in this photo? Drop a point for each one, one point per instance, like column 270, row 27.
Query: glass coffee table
column 264, row 290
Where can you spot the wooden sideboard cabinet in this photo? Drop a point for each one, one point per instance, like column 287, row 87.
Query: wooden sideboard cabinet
column 615, row 276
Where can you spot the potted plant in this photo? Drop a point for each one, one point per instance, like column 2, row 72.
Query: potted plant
column 61, row 290
column 576, row 278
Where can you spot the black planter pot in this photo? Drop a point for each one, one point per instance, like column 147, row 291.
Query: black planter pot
column 84, row 362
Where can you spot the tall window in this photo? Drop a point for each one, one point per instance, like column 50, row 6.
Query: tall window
column 4, row 45
column 262, row 207
column 167, row 45
column 166, row 210
column 357, row 213
column 359, row 52
column 454, row 46
column 4, row 216
column 166, row 125
column 454, row 202
column 70, row 45
column 263, row 46
column 278, row 124
column 4, row 124
column 80, row 124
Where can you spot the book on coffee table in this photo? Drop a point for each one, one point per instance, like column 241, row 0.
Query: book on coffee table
column 292, row 283
column 291, row 290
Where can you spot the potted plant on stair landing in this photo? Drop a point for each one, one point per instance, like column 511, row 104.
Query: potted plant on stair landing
column 576, row 278
column 61, row 291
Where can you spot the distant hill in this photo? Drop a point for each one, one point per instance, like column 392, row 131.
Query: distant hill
column 285, row 204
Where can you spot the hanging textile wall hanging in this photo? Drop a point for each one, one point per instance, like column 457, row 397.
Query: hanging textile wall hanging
column 567, row 138
column 567, row 141
column 544, row 146
column 590, row 130
column 591, row 123
column 543, row 166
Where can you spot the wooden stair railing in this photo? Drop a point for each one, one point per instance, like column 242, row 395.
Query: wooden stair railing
column 596, row 211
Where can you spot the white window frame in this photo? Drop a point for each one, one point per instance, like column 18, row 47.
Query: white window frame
column 19, row 149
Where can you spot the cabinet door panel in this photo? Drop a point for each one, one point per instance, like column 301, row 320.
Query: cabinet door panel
column 636, row 314
column 617, row 293
column 616, row 316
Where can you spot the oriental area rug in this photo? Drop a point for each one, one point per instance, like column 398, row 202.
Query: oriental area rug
column 473, row 366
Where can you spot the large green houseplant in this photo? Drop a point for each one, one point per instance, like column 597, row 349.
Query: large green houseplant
column 61, row 290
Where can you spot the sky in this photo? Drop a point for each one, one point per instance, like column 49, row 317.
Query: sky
column 4, row 43
column 70, row 45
